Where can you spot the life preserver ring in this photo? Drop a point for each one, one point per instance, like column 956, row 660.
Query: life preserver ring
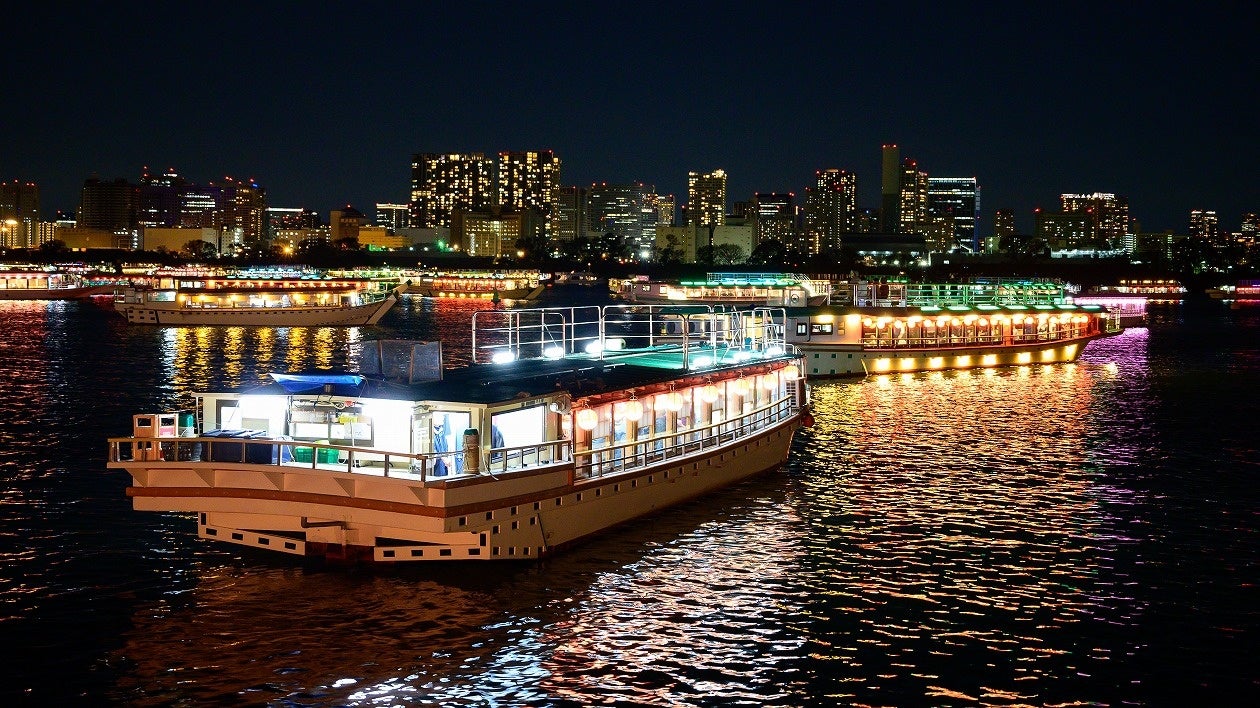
column 807, row 418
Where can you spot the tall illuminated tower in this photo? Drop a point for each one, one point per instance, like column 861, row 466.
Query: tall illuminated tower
column 444, row 183
column 912, row 198
column 706, row 198
column 830, row 208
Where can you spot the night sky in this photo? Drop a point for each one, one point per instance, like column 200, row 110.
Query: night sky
column 324, row 104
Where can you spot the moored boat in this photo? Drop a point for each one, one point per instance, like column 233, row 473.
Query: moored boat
column 1243, row 292
column 1130, row 298
column 507, row 286
column 276, row 303
column 37, row 284
column 737, row 289
column 858, row 341
column 558, row 430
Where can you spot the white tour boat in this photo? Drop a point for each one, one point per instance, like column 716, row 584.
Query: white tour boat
column 32, row 283
column 274, row 302
column 738, row 289
column 857, row 341
column 569, row 421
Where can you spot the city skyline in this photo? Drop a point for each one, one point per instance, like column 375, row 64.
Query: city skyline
column 1148, row 106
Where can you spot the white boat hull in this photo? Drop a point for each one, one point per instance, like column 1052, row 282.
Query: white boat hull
column 304, row 510
column 161, row 313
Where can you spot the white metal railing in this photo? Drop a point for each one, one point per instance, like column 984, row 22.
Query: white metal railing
column 289, row 453
column 604, row 331
column 598, row 462
column 595, row 462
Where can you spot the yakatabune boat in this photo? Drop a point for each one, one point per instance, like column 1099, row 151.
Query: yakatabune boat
column 33, row 284
column 274, row 303
column 738, row 289
column 563, row 426
column 510, row 286
column 856, row 341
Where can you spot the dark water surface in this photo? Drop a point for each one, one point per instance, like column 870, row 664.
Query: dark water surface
column 1080, row 534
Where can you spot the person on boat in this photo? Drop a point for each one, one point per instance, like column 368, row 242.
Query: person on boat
column 440, row 444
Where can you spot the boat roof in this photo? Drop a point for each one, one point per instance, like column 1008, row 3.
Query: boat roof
column 576, row 374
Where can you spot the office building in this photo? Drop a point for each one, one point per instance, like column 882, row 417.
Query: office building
column 1205, row 225
column 774, row 219
column 158, row 199
column 626, row 210
column 394, row 217
column 1066, row 230
column 571, row 221
column 107, row 206
column 956, row 199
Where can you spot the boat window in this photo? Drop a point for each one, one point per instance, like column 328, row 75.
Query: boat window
column 517, row 428
column 820, row 328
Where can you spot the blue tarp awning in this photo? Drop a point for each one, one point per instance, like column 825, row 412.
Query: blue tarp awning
column 320, row 382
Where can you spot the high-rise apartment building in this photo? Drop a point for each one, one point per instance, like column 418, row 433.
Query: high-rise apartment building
column 890, row 190
column 1107, row 213
column 956, row 199
column 445, row 183
column 706, row 198
column 19, row 214
column 912, row 198
column 243, row 204
column 830, row 210
column 393, row 216
column 531, row 181
column 1205, row 225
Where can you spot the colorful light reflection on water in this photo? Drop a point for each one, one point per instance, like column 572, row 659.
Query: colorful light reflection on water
column 1063, row 535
